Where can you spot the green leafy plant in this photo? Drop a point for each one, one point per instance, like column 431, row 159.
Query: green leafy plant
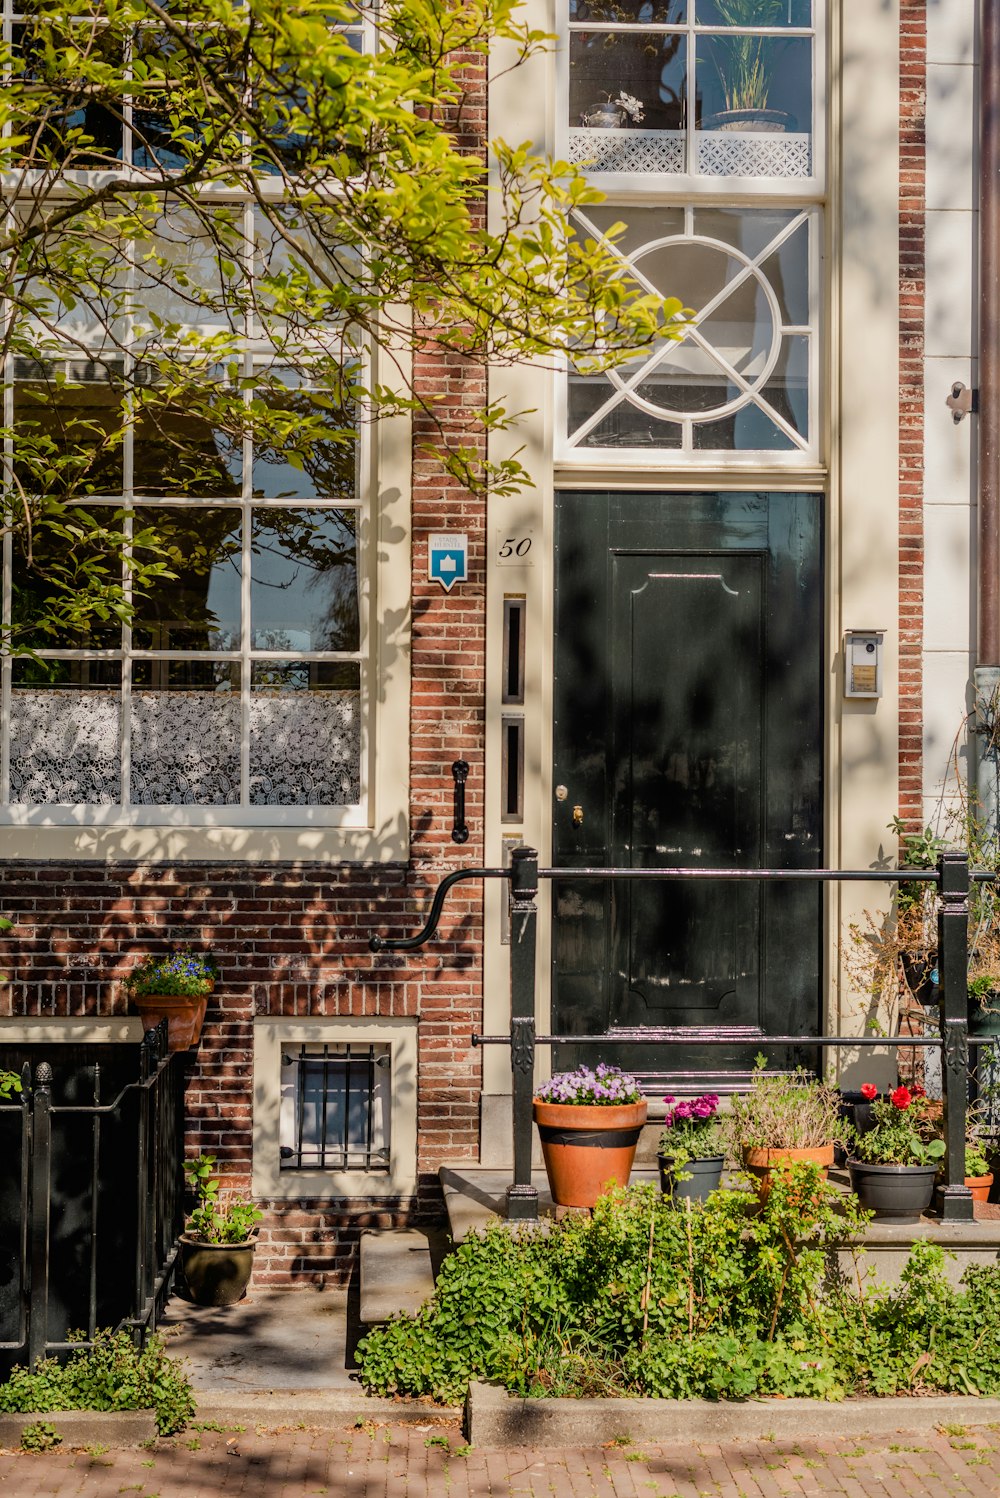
column 183, row 973
column 903, row 1132
column 976, row 1163
column 785, row 1112
column 10, row 1083
column 112, row 1374
column 215, row 1220
column 713, row 1302
column 40, row 1436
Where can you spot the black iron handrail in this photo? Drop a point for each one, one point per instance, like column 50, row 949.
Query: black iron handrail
column 952, row 877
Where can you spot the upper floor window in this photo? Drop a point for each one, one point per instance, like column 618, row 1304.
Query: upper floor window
column 696, row 89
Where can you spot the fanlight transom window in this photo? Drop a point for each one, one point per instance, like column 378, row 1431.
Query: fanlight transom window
column 740, row 378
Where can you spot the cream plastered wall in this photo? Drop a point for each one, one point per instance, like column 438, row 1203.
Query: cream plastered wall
column 950, row 510
column 273, row 1183
column 861, row 445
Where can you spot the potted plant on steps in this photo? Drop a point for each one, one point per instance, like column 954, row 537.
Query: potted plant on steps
column 589, row 1124
column 978, row 1176
column 692, row 1148
column 894, row 1163
column 785, row 1120
column 217, row 1249
column 174, row 988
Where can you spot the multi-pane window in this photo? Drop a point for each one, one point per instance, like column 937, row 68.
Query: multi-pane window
column 699, row 120
column 740, row 379
column 700, row 88
column 238, row 681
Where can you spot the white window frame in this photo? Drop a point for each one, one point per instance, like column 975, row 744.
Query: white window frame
column 630, row 186
column 270, row 1181
column 570, row 456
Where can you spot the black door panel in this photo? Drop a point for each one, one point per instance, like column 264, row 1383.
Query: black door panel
column 688, row 733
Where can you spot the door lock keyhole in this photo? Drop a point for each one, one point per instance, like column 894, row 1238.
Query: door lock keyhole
column 578, row 816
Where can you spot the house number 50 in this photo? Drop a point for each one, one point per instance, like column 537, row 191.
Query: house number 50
column 514, row 550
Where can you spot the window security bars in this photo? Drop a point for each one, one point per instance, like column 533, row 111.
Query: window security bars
column 952, row 878
column 335, row 1107
column 86, row 1187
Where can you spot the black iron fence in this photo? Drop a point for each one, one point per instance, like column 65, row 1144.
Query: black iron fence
column 91, row 1195
column 952, row 878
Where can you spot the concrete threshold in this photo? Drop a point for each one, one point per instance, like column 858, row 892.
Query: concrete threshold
column 494, row 1418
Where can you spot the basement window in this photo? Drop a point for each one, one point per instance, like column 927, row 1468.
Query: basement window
column 335, row 1107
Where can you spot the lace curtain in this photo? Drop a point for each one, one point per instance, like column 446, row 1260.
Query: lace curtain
column 185, row 748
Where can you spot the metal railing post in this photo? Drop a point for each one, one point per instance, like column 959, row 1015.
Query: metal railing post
column 522, row 1196
column 41, row 1184
column 148, row 1055
column 953, row 973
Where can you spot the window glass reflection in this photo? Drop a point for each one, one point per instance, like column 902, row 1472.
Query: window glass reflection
column 303, row 580
column 199, row 607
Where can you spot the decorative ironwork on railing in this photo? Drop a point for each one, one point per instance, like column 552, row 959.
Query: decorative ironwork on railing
column 952, row 877
column 93, row 1201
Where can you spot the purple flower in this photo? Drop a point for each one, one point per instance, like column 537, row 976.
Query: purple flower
column 606, row 1085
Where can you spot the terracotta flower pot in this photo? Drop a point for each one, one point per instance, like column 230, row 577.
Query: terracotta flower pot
column 762, row 1162
column 587, row 1147
column 184, row 1014
column 980, row 1187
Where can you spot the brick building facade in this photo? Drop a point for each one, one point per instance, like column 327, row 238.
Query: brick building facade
column 288, row 920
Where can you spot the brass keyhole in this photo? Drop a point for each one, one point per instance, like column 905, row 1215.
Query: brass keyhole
column 578, row 816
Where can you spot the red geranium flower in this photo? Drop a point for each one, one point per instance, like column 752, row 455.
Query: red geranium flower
column 918, row 1091
column 901, row 1098
column 869, row 1091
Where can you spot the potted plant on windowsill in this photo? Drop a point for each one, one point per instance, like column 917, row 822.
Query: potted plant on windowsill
column 746, row 63
column 589, row 1124
column 787, row 1119
column 174, row 988
column 692, row 1148
column 218, row 1246
column 893, row 1164
column 612, row 114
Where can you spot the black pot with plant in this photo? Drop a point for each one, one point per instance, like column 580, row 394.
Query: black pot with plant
column 217, row 1249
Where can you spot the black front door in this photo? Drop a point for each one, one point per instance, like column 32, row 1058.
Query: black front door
column 688, row 732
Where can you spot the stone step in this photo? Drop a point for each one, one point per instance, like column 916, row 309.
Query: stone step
column 396, row 1271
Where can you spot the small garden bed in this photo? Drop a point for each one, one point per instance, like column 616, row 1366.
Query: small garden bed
column 730, row 1299
column 113, row 1375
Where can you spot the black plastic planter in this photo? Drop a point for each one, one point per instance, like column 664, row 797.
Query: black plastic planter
column 705, row 1177
column 896, row 1193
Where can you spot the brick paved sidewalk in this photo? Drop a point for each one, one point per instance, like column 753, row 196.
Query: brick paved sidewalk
column 430, row 1461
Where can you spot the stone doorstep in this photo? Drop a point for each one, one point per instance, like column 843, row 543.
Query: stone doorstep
column 395, row 1271
column 494, row 1418
column 111, row 1428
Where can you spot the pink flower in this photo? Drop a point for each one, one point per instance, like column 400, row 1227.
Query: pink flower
column 869, row 1091
column 901, row 1098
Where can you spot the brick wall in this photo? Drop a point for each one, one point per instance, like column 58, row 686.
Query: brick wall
column 913, row 52
column 292, row 939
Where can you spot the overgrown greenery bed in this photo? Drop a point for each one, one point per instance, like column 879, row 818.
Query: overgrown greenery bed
column 111, row 1375
column 718, row 1302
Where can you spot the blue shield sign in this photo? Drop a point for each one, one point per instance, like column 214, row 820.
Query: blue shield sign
column 447, row 559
